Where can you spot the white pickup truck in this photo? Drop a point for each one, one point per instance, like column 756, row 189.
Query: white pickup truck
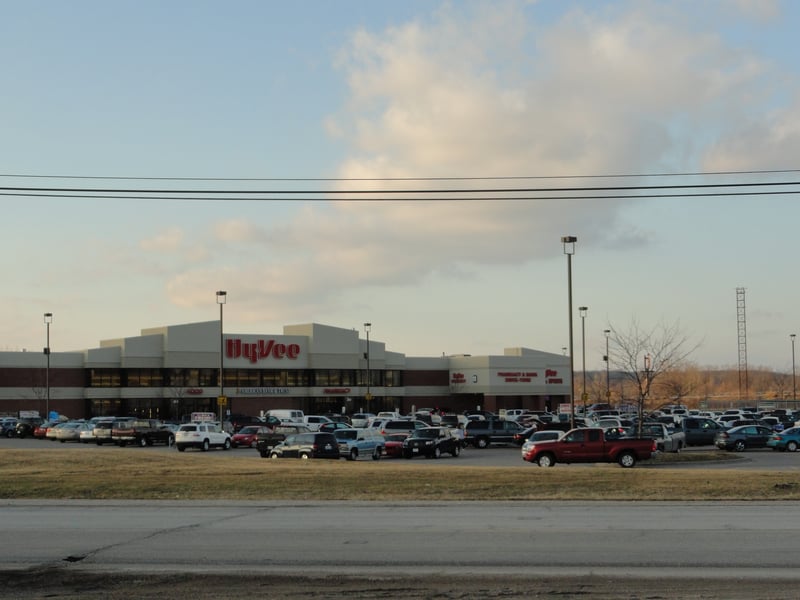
column 667, row 439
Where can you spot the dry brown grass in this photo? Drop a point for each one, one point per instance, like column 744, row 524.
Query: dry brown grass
column 63, row 474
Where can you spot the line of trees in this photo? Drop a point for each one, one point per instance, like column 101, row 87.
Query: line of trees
column 648, row 368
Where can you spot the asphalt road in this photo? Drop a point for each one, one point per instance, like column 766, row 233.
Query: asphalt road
column 718, row 539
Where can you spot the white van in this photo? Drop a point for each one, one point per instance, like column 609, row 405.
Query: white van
column 287, row 415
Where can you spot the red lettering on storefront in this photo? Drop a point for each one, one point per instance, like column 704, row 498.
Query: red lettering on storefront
column 255, row 351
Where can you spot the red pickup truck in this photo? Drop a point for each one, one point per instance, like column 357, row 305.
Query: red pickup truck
column 589, row 445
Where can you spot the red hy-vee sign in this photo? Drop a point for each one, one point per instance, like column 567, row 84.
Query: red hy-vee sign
column 236, row 348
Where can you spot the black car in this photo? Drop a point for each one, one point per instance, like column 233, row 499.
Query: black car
column 744, row 437
column 431, row 442
column 26, row 425
column 142, row 432
column 483, row 433
column 307, row 445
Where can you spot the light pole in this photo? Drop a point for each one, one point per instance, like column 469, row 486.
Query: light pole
column 794, row 375
column 582, row 310
column 368, row 395
column 607, row 358
column 222, row 296
column 568, row 242
column 48, row 318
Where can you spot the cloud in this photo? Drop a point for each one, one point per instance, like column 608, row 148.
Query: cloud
column 495, row 93
column 167, row 240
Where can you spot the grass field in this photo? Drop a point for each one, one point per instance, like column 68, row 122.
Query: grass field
column 72, row 474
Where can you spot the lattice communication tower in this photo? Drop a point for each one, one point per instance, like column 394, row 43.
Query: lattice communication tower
column 741, row 321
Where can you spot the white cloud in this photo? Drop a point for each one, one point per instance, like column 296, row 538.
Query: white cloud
column 495, row 95
column 167, row 240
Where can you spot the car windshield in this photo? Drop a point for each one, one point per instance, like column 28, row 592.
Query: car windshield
column 248, row 430
column 427, row 433
column 188, row 427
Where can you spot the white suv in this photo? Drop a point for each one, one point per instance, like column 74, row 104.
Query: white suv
column 203, row 436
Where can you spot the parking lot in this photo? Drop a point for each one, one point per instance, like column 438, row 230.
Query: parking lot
column 494, row 456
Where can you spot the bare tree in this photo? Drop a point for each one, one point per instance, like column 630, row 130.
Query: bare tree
column 642, row 356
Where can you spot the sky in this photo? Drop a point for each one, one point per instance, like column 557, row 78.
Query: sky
column 321, row 101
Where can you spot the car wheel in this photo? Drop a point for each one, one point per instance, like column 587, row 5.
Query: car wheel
column 181, row 448
column 546, row 460
column 353, row 454
column 739, row 446
column 456, row 450
column 171, row 440
column 377, row 454
column 626, row 460
column 437, row 452
column 206, row 446
column 227, row 444
column 143, row 441
column 407, row 455
column 274, row 455
column 791, row 446
column 481, row 443
column 304, row 456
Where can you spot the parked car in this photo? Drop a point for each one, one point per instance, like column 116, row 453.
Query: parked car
column 26, row 426
column 788, row 439
column 202, row 436
column 314, row 421
column 700, row 431
column 540, row 436
column 307, row 445
column 247, row 436
column 482, row 434
column 239, row 421
column 8, row 426
column 590, row 445
column 431, row 442
column 521, row 437
column 102, row 432
column 393, row 444
column 70, row 431
column 398, row 425
column 360, row 442
column 666, row 438
column 272, row 437
column 361, row 419
column 52, row 431
column 334, row 426
column 141, row 432
column 743, row 437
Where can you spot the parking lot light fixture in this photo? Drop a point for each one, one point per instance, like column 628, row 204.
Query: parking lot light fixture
column 607, row 358
column 582, row 310
column 367, row 395
column 222, row 297
column 48, row 318
column 794, row 375
column 568, row 242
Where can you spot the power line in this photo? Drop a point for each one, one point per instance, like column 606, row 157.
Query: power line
column 231, row 192
column 338, row 179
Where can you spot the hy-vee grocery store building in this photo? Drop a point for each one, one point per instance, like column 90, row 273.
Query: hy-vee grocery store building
column 170, row 372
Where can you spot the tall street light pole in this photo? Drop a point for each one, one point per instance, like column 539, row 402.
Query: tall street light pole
column 794, row 375
column 222, row 401
column 568, row 242
column 48, row 318
column 582, row 310
column 368, row 395
column 607, row 358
